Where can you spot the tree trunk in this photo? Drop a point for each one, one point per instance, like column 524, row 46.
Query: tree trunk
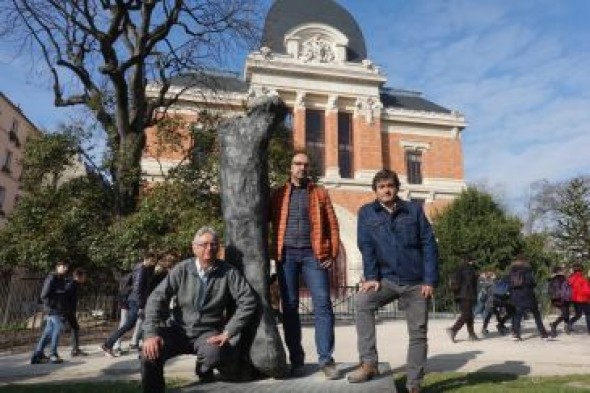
column 128, row 171
column 245, row 201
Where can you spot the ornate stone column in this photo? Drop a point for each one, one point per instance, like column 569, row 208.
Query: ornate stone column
column 299, row 122
column 331, row 138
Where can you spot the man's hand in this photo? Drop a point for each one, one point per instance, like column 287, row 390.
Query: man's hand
column 326, row 263
column 427, row 291
column 220, row 340
column 371, row 285
column 152, row 346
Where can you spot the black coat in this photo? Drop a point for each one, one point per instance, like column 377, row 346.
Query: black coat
column 524, row 295
column 466, row 278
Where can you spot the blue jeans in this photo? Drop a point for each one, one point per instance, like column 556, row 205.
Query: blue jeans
column 302, row 262
column 52, row 331
column 132, row 315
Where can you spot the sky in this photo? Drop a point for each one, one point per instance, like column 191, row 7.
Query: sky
column 519, row 70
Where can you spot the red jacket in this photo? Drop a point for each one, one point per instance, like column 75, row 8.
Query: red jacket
column 580, row 287
column 325, row 235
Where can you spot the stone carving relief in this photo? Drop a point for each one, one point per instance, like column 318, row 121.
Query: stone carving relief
column 300, row 100
column 371, row 106
column 317, row 50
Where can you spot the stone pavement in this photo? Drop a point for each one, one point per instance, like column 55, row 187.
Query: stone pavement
column 494, row 353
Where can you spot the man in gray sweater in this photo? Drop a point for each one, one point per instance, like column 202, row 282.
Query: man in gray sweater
column 203, row 287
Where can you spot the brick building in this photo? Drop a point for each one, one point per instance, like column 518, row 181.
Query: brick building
column 15, row 129
column 341, row 111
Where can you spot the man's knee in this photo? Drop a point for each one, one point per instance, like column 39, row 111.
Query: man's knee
column 365, row 302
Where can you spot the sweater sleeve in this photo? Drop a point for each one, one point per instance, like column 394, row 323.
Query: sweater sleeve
column 245, row 302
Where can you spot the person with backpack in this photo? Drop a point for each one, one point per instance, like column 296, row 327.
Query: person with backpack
column 159, row 273
column 580, row 295
column 465, row 297
column 498, row 305
column 560, row 293
column 522, row 294
column 54, row 304
column 136, row 300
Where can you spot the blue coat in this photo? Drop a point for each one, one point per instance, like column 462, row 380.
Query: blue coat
column 399, row 246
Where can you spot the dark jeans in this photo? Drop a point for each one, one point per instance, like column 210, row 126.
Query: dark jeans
column 579, row 309
column 564, row 314
column 129, row 324
column 296, row 263
column 536, row 314
column 177, row 343
column 416, row 308
column 73, row 322
column 466, row 317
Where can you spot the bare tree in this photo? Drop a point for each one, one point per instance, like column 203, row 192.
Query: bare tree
column 103, row 53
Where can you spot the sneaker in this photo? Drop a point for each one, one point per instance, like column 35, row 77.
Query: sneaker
column 452, row 334
column 108, row 351
column 516, row 338
column 364, row 373
column 330, row 371
column 119, row 352
column 55, row 359
column 78, row 352
column 484, row 331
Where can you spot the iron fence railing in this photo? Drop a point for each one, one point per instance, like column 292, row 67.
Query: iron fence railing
column 21, row 315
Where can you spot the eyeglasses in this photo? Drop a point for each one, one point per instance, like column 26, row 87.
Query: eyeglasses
column 299, row 163
column 205, row 244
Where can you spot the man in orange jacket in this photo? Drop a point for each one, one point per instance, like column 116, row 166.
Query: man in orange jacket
column 306, row 242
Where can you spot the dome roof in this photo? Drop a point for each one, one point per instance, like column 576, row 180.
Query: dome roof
column 284, row 15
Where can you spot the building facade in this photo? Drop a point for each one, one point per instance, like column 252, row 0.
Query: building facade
column 15, row 130
column 341, row 112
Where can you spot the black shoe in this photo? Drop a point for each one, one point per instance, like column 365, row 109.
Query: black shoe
column 330, row 371
column 78, row 352
column 297, row 370
column 452, row 334
column 553, row 327
column 484, row 331
column 206, row 377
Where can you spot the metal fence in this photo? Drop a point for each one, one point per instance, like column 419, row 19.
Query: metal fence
column 21, row 315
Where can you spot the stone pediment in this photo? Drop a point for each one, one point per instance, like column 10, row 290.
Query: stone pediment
column 316, row 43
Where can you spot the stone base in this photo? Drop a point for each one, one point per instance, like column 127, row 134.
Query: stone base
column 313, row 381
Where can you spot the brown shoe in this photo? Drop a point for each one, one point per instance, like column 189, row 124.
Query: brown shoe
column 363, row 373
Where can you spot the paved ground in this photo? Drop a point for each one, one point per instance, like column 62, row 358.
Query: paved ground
column 532, row 356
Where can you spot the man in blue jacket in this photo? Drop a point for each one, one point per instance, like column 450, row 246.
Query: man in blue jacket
column 400, row 261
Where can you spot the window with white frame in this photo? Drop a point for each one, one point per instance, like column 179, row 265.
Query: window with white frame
column 414, row 166
column 7, row 162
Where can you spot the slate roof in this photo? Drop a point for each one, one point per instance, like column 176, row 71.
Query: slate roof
column 403, row 99
column 284, row 15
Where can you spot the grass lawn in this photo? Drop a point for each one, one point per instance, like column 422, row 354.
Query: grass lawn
column 435, row 382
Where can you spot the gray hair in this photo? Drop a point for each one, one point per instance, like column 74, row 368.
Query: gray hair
column 206, row 229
